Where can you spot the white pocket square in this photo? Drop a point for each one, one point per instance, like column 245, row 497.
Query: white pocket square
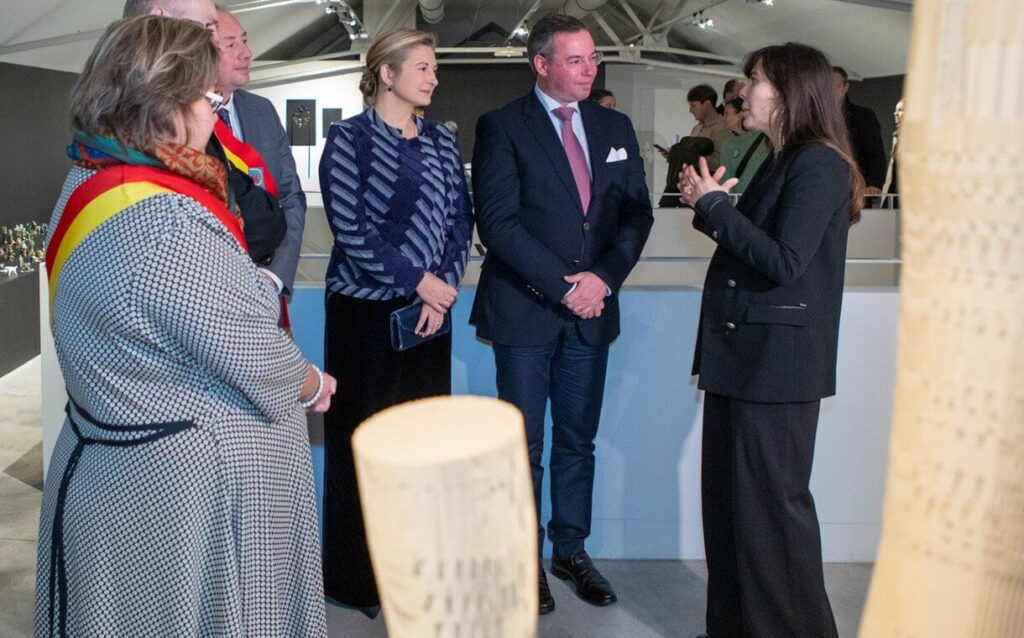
column 616, row 155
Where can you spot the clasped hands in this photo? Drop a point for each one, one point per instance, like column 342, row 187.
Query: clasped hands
column 586, row 301
column 437, row 298
column 695, row 183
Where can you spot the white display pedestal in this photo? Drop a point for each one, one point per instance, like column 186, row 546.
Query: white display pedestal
column 54, row 398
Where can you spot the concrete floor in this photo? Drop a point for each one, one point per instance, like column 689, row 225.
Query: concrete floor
column 657, row 598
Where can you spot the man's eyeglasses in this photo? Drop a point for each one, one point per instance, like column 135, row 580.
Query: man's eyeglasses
column 577, row 61
column 215, row 99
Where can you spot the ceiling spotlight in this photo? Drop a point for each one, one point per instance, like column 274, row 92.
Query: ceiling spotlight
column 698, row 20
column 508, row 52
column 346, row 17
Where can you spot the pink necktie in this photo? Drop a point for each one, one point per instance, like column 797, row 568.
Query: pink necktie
column 573, row 151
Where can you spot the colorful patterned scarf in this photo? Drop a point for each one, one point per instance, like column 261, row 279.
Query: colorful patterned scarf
column 98, row 152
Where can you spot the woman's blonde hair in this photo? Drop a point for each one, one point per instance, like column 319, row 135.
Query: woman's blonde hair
column 142, row 78
column 391, row 49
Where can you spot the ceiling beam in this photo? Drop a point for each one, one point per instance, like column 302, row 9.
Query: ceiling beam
column 488, row 54
column 51, row 42
column 683, row 15
column 291, row 78
column 514, row 31
column 654, row 16
column 632, row 16
column 485, row 55
column 259, row 5
column 607, row 28
column 893, row 5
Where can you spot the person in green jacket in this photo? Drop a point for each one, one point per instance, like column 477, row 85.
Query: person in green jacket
column 743, row 151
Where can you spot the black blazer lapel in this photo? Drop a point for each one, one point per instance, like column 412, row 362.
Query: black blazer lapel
column 597, row 142
column 539, row 123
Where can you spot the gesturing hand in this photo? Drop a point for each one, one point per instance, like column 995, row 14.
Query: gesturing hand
column 587, row 300
column 436, row 293
column 694, row 184
column 430, row 321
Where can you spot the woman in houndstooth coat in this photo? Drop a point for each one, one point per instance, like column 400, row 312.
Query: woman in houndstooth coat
column 179, row 499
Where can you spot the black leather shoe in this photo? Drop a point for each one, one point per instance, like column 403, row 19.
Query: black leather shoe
column 547, row 601
column 591, row 586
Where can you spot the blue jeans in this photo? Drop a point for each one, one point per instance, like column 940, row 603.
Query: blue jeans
column 572, row 373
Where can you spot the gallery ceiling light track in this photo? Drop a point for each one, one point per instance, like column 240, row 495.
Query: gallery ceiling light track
column 629, row 54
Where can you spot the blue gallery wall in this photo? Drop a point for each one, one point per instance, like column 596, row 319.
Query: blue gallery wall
column 647, row 489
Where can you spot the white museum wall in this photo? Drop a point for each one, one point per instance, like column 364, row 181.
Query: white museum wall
column 338, row 91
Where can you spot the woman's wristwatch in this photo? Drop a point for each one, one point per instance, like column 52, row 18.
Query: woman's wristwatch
column 310, row 402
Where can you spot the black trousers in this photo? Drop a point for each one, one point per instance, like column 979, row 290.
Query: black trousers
column 371, row 377
column 761, row 534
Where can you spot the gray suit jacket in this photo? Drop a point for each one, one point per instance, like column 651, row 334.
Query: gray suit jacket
column 262, row 129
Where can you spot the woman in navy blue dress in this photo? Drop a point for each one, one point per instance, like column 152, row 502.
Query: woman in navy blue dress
column 396, row 198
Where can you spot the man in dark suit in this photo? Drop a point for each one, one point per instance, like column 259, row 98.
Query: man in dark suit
column 563, row 209
column 865, row 135
column 253, row 120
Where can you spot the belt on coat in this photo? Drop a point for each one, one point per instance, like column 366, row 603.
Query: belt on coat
column 58, row 572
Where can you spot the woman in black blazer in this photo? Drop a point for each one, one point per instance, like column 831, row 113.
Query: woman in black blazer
column 766, row 347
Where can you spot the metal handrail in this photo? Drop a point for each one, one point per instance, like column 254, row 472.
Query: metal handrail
column 875, row 202
column 670, row 260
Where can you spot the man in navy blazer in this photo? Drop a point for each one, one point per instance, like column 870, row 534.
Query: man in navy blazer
column 563, row 210
column 255, row 121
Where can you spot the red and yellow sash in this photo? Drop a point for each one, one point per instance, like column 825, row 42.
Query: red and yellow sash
column 111, row 191
column 245, row 158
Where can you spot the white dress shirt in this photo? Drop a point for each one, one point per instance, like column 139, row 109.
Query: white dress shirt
column 550, row 104
column 236, row 125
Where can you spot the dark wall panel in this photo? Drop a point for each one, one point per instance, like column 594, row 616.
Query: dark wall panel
column 34, row 128
column 19, row 320
column 880, row 95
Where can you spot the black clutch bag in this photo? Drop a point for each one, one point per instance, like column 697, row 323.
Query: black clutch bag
column 403, row 327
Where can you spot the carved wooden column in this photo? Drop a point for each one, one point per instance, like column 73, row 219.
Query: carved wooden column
column 448, row 503
column 951, row 562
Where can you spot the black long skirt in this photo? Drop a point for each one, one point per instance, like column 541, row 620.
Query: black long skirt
column 371, row 377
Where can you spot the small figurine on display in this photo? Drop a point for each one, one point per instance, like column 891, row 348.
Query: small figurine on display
column 21, row 246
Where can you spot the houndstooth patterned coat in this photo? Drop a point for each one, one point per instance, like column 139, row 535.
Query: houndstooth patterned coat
column 179, row 499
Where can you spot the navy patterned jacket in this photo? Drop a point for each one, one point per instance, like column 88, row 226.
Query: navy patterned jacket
column 398, row 207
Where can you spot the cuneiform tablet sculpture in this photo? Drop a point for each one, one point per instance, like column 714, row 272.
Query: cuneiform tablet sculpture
column 951, row 561
column 448, row 505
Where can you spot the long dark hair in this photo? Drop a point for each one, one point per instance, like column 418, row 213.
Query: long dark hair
column 807, row 110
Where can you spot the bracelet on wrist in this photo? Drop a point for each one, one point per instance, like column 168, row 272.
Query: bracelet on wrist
column 310, row 402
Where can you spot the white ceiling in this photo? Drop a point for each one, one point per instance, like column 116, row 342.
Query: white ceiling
column 869, row 37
